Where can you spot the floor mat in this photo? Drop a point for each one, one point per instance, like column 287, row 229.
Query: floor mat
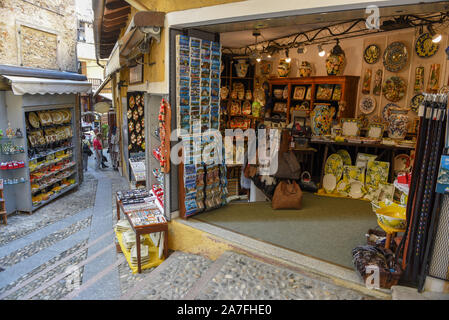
column 325, row 228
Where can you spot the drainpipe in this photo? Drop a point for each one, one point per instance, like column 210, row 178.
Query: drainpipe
column 98, row 7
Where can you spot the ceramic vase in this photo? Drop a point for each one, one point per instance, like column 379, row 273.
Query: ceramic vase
column 241, row 68
column 397, row 124
column 283, row 68
column 305, row 70
column 321, row 119
column 335, row 62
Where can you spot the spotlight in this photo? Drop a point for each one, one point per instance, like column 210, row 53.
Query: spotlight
column 287, row 58
column 258, row 59
column 436, row 37
column 321, row 51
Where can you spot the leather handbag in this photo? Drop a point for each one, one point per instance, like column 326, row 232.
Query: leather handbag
column 287, row 196
column 288, row 166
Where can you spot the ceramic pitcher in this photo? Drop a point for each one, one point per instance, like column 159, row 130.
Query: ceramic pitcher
column 321, row 119
column 397, row 123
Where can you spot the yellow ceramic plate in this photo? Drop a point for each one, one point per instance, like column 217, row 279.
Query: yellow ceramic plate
column 334, row 165
column 34, row 120
column 345, row 157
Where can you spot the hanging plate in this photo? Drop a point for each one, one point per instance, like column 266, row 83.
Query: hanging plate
column 345, row 156
column 394, row 88
column 367, row 105
column 424, row 47
column 416, row 101
column 34, row 120
column 395, row 57
column 371, row 54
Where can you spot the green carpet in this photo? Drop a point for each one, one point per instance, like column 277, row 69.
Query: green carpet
column 325, row 228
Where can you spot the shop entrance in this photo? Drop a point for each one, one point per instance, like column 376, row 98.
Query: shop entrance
column 325, row 87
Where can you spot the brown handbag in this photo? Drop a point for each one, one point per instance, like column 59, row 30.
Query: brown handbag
column 287, row 196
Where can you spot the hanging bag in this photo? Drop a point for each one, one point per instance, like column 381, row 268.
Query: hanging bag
column 287, row 196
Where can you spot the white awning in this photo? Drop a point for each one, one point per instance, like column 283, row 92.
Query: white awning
column 106, row 95
column 31, row 85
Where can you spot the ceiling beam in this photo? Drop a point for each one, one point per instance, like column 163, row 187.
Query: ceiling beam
column 115, row 4
column 112, row 14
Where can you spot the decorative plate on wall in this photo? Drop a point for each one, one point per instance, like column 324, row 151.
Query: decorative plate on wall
column 395, row 57
column 394, row 88
column 371, row 54
column 416, row 101
column 367, row 105
column 424, row 47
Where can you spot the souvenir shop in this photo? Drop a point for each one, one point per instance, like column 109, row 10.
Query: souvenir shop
column 39, row 141
column 355, row 110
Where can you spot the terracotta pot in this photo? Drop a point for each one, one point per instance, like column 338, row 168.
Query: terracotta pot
column 283, row 68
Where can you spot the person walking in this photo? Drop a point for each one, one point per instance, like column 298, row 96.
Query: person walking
column 86, row 152
column 98, row 149
column 114, row 148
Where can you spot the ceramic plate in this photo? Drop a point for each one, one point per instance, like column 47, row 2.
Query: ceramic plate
column 386, row 111
column 424, row 47
column 376, row 172
column 355, row 190
column 394, row 88
column 329, row 182
column 395, row 57
column 367, row 105
column 131, row 102
column 345, row 157
column 371, row 54
column 34, row 120
column 401, row 162
column 375, row 130
column 416, row 101
column 350, row 127
column 334, row 165
column 342, row 187
column 386, row 191
column 353, row 173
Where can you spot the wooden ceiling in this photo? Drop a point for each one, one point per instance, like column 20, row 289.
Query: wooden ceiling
column 115, row 17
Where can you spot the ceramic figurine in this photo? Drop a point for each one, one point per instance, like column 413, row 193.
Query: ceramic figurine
column 241, row 68
column 283, row 68
column 305, row 70
column 397, row 123
column 9, row 131
column 19, row 133
column 335, row 62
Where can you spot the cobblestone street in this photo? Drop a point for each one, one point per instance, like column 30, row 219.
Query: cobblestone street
column 39, row 253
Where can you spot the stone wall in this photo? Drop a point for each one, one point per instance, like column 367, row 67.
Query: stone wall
column 38, row 33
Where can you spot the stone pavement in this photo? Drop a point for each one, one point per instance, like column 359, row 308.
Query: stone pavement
column 66, row 250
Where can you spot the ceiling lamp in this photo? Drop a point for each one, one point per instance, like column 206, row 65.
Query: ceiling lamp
column 321, row 51
column 258, row 58
column 436, row 37
column 287, row 58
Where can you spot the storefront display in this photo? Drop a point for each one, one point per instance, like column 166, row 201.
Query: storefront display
column 52, row 165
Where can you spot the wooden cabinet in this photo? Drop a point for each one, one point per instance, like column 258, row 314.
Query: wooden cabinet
column 314, row 86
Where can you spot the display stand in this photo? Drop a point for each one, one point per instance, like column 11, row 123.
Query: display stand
column 143, row 230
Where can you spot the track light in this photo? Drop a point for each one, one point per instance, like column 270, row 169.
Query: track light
column 287, row 58
column 258, row 59
column 321, row 51
column 436, row 37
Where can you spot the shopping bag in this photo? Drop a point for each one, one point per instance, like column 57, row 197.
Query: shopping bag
column 287, row 196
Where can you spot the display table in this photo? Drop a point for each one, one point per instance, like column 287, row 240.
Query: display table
column 364, row 146
column 142, row 230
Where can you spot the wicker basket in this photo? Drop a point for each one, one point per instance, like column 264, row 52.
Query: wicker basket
column 376, row 232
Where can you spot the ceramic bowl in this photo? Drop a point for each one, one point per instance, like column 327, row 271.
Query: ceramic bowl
column 278, row 93
column 329, row 182
column 394, row 223
column 392, row 216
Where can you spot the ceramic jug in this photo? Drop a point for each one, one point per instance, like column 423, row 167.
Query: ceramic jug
column 397, row 123
column 321, row 119
column 335, row 62
column 305, row 70
column 283, row 68
column 241, row 68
